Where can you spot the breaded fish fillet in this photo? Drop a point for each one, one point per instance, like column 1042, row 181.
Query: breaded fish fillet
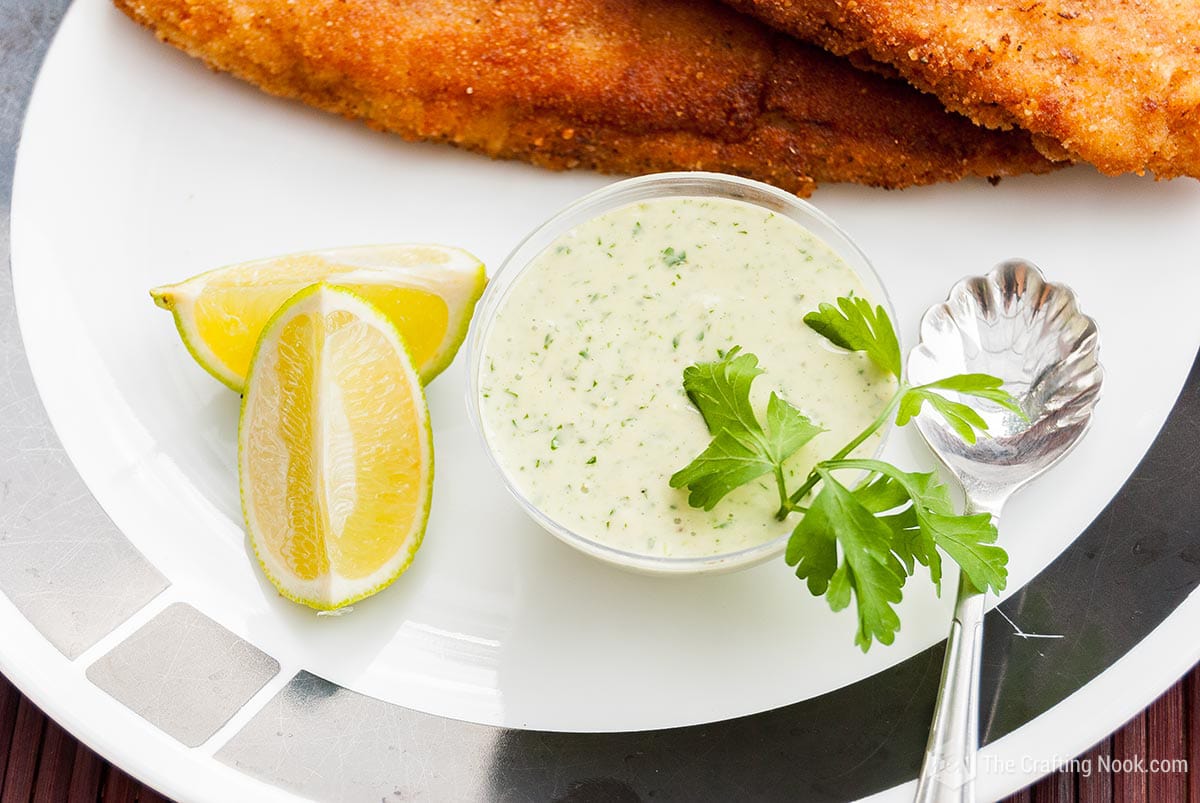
column 623, row 86
column 1112, row 82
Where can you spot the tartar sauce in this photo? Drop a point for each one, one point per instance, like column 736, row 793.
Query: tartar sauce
column 582, row 371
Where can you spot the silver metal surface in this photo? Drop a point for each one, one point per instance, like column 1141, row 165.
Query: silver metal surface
column 63, row 563
column 328, row 743
column 1012, row 324
column 184, row 673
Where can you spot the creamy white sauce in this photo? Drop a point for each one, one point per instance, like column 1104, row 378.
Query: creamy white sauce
column 582, row 379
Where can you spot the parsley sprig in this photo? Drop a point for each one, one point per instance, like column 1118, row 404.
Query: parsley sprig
column 864, row 541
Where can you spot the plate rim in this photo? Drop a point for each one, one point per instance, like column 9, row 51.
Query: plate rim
column 1136, row 661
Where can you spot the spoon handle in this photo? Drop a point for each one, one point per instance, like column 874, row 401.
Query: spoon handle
column 948, row 773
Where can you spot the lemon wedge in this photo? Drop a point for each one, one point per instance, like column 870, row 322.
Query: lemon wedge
column 428, row 291
column 335, row 454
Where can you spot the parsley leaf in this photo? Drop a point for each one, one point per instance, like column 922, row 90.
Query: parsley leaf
column 853, row 325
column 721, row 391
column 962, row 418
column 911, row 542
column 930, row 523
column 730, row 461
column 741, row 449
column 867, row 567
column 985, row 386
column 884, row 527
column 788, row 429
column 970, row 541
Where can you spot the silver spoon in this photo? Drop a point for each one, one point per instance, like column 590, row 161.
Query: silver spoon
column 1012, row 324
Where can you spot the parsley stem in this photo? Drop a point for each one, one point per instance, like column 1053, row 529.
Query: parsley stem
column 784, row 503
column 814, row 477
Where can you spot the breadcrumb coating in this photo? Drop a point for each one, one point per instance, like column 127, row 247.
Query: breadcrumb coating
column 1112, row 82
column 621, row 86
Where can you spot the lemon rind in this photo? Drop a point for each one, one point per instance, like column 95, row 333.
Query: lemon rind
column 204, row 357
column 452, row 342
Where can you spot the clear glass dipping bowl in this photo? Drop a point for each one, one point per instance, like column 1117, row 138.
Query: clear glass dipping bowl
column 623, row 193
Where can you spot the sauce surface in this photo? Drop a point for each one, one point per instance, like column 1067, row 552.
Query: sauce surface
column 582, row 371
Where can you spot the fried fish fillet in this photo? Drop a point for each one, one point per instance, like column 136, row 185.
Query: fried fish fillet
column 1112, row 82
column 623, row 86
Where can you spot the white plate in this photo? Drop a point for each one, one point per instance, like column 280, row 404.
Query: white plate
column 137, row 167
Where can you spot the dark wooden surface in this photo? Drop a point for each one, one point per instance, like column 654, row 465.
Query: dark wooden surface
column 42, row 763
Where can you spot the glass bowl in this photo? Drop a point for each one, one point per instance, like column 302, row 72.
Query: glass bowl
column 619, row 194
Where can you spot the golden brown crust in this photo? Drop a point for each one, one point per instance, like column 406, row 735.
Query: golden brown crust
column 624, row 86
column 1112, row 82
